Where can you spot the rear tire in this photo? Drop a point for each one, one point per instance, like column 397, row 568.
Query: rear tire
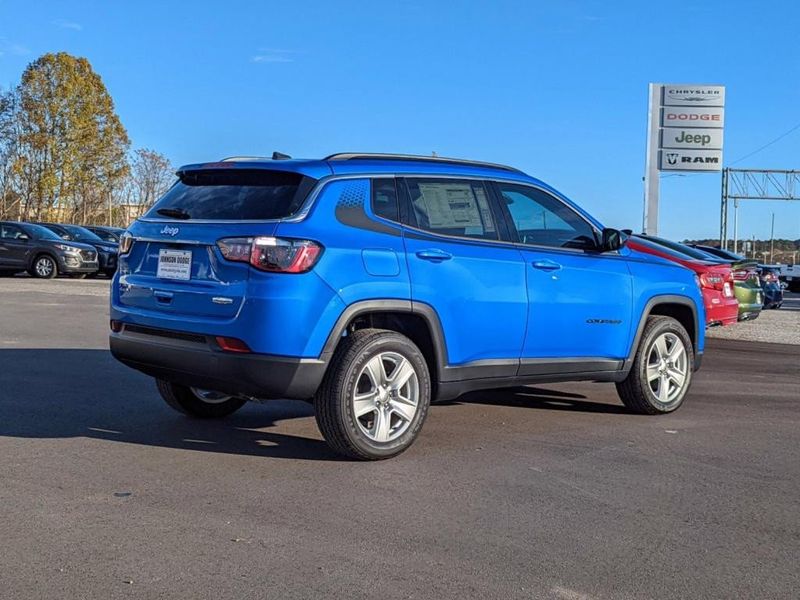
column 44, row 267
column 375, row 395
column 202, row 404
column 662, row 368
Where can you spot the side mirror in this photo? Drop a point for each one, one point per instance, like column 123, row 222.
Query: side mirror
column 612, row 239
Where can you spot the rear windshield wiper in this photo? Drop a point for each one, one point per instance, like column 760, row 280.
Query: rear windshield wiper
column 175, row 213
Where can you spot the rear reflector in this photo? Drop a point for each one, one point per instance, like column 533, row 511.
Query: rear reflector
column 229, row 344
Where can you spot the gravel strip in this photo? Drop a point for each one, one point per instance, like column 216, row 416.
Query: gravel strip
column 780, row 326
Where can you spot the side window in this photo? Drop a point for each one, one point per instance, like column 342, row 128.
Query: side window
column 384, row 199
column 452, row 207
column 10, row 232
column 542, row 220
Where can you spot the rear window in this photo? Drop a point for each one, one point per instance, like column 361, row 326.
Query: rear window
column 234, row 195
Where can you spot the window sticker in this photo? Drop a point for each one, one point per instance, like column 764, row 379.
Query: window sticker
column 450, row 206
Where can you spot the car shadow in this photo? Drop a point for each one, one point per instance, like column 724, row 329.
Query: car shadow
column 539, row 398
column 61, row 393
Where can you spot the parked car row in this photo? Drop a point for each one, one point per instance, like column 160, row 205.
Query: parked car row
column 734, row 287
column 46, row 250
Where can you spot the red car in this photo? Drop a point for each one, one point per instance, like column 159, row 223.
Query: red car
column 716, row 280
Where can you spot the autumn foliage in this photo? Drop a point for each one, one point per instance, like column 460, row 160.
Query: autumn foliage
column 64, row 153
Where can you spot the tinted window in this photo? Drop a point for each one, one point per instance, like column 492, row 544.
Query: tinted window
column 235, row 194
column 10, row 232
column 105, row 235
column 384, row 199
column 452, row 207
column 684, row 249
column 82, row 235
column 40, row 233
column 542, row 220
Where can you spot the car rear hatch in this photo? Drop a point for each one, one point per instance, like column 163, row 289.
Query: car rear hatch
column 175, row 266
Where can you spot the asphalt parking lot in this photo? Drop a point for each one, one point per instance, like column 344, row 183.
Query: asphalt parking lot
column 546, row 492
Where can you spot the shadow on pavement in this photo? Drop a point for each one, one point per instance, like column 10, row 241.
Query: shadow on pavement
column 539, row 398
column 63, row 393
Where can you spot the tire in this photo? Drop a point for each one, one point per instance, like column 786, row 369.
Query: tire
column 387, row 418
column 189, row 401
column 44, row 267
column 78, row 275
column 659, row 361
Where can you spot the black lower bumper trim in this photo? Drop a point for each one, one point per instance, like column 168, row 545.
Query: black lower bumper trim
column 197, row 365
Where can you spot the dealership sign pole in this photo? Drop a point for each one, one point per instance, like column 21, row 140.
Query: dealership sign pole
column 685, row 133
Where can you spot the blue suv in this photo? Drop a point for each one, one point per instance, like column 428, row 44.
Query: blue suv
column 372, row 285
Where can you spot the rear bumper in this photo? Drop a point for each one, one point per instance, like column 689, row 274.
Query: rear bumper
column 196, row 361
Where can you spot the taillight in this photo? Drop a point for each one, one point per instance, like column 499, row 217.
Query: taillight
column 712, row 280
column 125, row 242
column 744, row 275
column 229, row 344
column 278, row 255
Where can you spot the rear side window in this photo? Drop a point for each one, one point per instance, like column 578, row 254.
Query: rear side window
column 384, row 199
column 457, row 207
column 235, row 195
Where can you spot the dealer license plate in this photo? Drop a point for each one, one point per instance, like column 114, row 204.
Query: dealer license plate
column 174, row 264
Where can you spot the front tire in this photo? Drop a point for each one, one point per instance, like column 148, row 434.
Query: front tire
column 195, row 402
column 375, row 395
column 662, row 368
column 44, row 267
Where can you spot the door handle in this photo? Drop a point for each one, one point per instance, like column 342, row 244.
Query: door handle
column 546, row 265
column 162, row 297
column 434, row 255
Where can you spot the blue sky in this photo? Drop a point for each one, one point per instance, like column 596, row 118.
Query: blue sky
column 558, row 89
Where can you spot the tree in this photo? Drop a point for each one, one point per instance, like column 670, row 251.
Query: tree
column 151, row 175
column 71, row 145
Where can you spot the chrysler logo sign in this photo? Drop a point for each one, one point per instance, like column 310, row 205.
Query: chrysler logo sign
column 698, row 95
column 172, row 231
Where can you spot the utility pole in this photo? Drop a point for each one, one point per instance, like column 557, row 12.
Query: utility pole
column 651, row 175
column 772, row 241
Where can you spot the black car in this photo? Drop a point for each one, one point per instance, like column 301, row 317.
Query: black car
column 40, row 252
column 106, row 251
column 108, row 234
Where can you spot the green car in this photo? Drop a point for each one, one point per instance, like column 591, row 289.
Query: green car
column 747, row 286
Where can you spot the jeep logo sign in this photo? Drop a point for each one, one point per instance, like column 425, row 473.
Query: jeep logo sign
column 680, row 137
column 171, row 231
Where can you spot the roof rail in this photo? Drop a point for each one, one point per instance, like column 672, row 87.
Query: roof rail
column 275, row 156
column 243, row 158
column 415, row 157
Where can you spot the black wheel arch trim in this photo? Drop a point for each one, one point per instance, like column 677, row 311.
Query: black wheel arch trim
column 648, row 309
column 364, row 307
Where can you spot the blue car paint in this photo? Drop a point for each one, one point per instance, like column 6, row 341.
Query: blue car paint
column 491, row 302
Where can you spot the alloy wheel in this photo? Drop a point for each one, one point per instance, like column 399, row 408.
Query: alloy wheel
column 386, row 397
column 667, row 367
column 44, row 267
column 210, row 396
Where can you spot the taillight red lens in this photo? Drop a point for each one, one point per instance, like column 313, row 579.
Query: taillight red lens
column 712, row 281
column 278, row 255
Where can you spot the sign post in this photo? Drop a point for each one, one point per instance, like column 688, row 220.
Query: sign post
column 684, row 133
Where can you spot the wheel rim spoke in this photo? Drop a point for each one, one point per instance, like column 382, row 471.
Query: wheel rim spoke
column 667, row 367
column 384, row 406
column 652, row 372
column 363, row 404
column 402, row 373
column 382, row 426
column 404, row 410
